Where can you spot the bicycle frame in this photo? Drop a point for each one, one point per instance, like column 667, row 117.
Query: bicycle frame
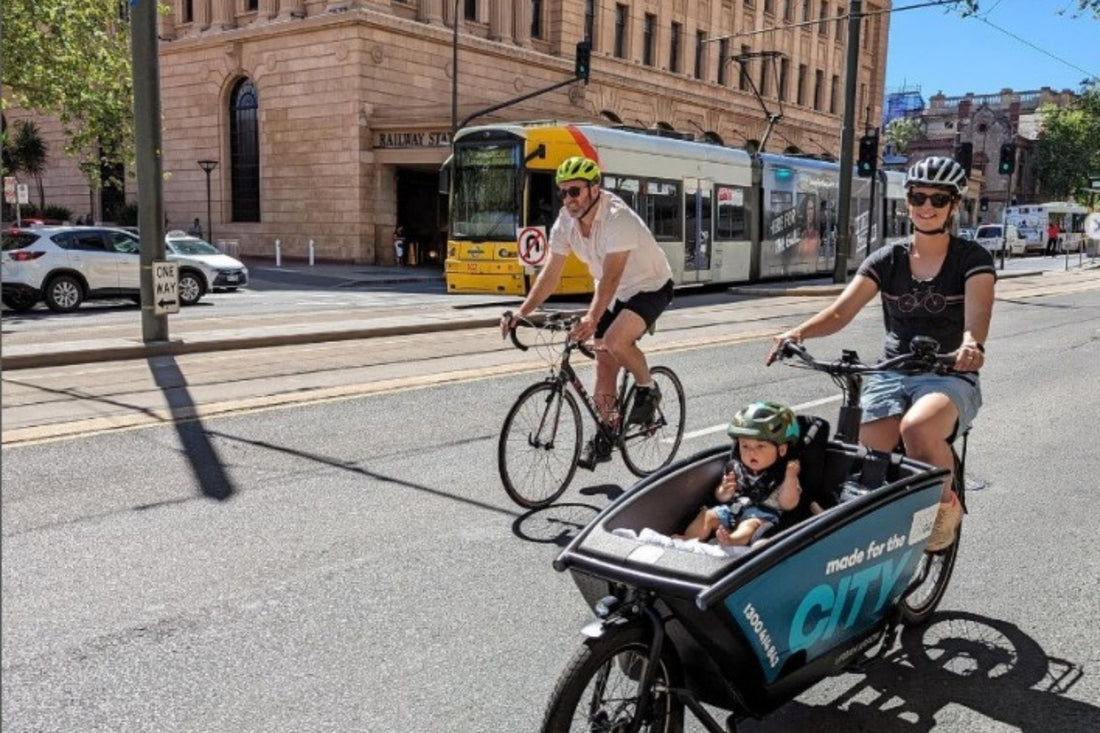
column 565, row 374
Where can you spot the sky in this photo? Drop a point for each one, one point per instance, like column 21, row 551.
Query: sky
column 1019, row 44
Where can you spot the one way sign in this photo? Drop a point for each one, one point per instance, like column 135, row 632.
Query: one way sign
column 166, row 287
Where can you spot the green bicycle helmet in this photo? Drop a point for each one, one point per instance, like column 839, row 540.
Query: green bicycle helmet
column 768, row 421
column 577, row 168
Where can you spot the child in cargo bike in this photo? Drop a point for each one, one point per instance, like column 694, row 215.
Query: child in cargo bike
column 760, row 482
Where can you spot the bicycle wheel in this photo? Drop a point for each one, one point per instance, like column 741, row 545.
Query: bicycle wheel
column 935, row 573
column 539, row 445
column 647, row 448
column 598, row 691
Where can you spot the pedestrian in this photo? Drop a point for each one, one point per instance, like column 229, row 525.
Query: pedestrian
column 399, row 245
column 195, row 230
column 1053, row 232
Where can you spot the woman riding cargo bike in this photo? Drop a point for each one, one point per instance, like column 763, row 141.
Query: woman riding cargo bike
column 936, row 286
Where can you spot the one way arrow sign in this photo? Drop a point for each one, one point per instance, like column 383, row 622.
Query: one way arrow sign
column 166, row 286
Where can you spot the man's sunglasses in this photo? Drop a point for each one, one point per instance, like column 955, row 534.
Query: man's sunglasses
column 569, row 193
column 939, row 200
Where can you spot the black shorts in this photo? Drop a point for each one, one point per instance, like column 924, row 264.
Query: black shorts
column 649, row 304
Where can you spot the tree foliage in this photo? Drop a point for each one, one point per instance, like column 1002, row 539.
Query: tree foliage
column 71, row 59
column 1076, row 7
column 1068, row 152
column 26, row 152
column 902, row 131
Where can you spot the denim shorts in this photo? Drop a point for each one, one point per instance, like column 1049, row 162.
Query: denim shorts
column 890, row 394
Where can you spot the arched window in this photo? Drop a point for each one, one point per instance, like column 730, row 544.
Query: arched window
column 244, row 151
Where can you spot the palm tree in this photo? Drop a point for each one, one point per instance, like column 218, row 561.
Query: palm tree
column 29, row 155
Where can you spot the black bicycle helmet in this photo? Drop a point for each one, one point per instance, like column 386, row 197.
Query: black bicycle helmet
column 939, row 172
column 768, row 421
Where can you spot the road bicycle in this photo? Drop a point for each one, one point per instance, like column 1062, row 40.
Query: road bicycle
column 540, row 441
column 748, row 629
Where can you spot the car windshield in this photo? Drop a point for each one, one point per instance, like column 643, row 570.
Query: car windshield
column 989, row 232
column 192, row 246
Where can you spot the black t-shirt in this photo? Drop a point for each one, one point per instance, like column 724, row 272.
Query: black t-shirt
column 932, row 307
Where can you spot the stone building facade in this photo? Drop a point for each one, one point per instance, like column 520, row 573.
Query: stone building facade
column 987, row 121
column 330, row 119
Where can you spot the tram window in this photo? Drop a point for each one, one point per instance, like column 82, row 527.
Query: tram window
column 541, row 203
column 662, row 209
column 626, row 188
column 730, row 217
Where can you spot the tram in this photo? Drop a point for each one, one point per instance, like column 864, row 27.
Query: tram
column 721, row 214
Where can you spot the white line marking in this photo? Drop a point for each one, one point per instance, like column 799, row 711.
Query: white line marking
column 797, row 408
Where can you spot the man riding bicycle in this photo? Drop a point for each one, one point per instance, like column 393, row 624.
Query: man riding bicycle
column 633, row 287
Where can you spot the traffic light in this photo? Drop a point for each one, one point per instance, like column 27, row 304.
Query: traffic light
column 584, row 57
column 1008, row 159
column 868, row 155
column 964, row 156
column 983, row 204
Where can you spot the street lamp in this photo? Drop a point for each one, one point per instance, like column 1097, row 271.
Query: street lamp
column 207, row 167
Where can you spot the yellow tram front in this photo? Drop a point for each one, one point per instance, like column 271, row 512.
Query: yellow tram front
column 502, row 184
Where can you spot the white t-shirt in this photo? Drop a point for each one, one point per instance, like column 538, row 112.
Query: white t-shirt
column 616, row 228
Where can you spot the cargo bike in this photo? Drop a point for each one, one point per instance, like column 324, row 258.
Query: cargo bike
column 750, row 630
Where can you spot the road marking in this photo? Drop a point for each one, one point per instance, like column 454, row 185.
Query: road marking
column 720, row 428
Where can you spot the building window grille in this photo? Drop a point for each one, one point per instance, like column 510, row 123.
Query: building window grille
column 834, row 94
column 743, row 78
column 800, row 89
column 700, row 53
column 823, row 27
column 674, row 48
column 649, row 34
column 807, row 10
column 819, row 82
column 622, row 17
column 723, row 60
column 784, row 72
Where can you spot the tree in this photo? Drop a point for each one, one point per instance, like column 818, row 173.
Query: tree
column 1083, row 6
column 1069, row 145
column 26, row 153
column 71, row 59
column 902, row 131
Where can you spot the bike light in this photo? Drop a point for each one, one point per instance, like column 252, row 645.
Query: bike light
column 607, row 606
column 26, row 256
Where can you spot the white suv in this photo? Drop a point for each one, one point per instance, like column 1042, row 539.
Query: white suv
column 64, row 266
column 989, row 236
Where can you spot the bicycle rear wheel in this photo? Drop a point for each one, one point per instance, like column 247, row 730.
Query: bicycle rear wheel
column 935, row 571
column 539, row 445
column 649, row 447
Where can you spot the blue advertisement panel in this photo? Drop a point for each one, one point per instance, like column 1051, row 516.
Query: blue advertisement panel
column 832, row 590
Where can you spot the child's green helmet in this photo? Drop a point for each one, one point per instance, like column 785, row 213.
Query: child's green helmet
column 578, row 167
column 768, row 421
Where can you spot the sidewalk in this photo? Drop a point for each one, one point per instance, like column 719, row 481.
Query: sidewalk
column 82, row 344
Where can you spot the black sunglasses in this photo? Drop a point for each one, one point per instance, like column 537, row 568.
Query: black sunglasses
column 569, row 193
column 939, row 200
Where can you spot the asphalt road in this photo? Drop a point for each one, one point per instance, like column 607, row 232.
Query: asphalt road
column 351, row 563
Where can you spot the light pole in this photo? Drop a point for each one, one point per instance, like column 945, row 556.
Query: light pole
column 454, row 71
column 208, row 167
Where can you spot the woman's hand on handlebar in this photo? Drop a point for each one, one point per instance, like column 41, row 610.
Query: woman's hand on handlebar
column 970, row 357
column 779, row 341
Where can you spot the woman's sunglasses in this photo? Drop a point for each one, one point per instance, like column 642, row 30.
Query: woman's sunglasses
column 939, row 200
column 569, row 193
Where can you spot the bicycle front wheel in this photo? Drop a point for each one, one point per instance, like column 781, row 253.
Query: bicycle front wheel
column 539, row 445
column 649, row 447
column 599, row 690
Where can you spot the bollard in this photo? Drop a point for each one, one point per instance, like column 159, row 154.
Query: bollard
column 278, row 254
column 311, row 253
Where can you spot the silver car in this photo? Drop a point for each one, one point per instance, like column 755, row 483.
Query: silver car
column 218, row 271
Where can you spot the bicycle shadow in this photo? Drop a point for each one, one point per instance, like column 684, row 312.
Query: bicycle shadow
column 558, row 524
column 988, row 666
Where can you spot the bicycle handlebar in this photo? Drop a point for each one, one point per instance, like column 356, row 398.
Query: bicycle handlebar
column 554, row 321
column 924, row 357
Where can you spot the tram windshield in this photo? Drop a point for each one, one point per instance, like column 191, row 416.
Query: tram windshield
column 485, row 198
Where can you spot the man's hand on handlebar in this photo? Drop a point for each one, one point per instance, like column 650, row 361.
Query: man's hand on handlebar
column 508, row 321
column 583, row 329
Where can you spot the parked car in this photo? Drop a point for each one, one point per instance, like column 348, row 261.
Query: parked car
column 989, row 236
column 218, row 271
column 65, row 266
column 967, row 233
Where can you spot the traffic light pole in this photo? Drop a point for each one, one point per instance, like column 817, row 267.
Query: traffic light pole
column 847, row 136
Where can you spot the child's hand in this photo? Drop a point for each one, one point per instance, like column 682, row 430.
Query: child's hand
column 793, row 467
column 727, row 489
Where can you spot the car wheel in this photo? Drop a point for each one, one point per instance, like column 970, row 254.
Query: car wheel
column 20, row 302
column 64, row 294
column 191, row 288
